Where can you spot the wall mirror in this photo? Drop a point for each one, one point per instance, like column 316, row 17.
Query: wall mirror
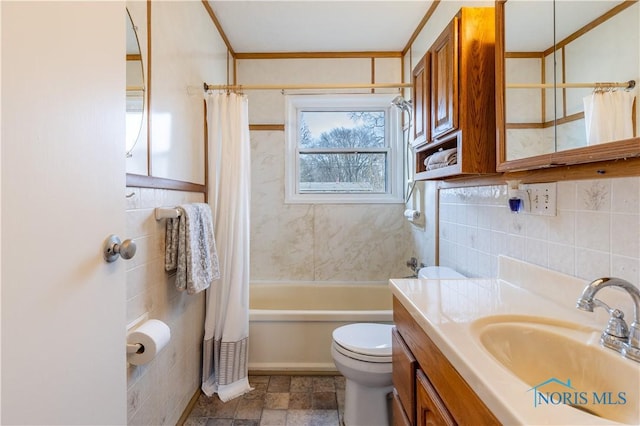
column 135, row 104
column 566, row 74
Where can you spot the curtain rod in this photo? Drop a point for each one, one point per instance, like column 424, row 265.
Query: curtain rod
column 304, row 86
column 627, row 85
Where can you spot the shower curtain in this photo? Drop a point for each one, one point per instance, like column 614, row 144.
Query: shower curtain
column 225, row 349
column 608, row 116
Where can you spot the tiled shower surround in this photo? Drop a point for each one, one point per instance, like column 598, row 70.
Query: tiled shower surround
column 595, row 233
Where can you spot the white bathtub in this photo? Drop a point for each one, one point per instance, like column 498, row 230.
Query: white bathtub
column 290, row 324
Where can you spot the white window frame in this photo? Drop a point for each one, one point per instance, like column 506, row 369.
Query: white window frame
column 295, row 104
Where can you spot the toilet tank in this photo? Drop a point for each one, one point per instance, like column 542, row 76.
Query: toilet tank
column 439, row 272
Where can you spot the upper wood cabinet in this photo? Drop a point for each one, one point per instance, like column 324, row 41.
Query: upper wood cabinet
column 444, row 81
column 455, row 108
column 420, row 96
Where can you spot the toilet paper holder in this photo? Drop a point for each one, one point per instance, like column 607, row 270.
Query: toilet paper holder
column 145, row 341
column 135, row 348
column 412, row 215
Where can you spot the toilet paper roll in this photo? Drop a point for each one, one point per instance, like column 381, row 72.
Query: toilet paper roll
column 412, row 214
column 153, row 335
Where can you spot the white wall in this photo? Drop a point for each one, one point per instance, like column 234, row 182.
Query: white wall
column 315, row 242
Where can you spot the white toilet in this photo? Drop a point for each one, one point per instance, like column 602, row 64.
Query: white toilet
column 362, row 354
column 439, row 273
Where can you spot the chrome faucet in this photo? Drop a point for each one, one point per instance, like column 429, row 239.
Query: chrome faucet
column 616, row 328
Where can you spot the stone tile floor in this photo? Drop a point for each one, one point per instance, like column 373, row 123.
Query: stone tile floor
column 276, row 401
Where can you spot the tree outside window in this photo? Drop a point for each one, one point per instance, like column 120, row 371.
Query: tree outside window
column 342, row 149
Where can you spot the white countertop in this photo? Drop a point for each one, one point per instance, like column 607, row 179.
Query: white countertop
column 447, row 309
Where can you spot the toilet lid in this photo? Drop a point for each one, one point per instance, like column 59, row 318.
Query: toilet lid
column 365, row 338
column 438, row 273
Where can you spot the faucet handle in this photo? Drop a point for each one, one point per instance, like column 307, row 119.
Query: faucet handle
column 616, row 335
column 617, row 326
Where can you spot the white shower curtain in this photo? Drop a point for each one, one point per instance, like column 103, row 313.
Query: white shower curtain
column 225, row 350
column 608, row 116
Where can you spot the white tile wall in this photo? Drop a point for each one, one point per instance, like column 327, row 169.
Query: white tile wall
column 596, row 231
column 157, row 393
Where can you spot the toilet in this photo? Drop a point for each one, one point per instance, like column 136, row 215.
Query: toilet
column 439, row 273
column 362, row 354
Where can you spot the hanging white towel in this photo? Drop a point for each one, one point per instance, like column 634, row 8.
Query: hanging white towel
column 608, row 116
column 191, row 248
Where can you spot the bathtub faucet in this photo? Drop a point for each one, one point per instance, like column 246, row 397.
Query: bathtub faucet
column 631, row 348
column 413, row 264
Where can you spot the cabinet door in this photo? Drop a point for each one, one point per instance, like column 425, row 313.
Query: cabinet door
column 430, row 408
column 404, row 374
column 420, row 96
column 397, row 412
column 444, row 81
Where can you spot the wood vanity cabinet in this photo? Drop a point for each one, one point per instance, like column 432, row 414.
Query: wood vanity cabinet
column 430, row 409
column 454, row 97
column 404, row 381
column 427, row 388
column 398, row 414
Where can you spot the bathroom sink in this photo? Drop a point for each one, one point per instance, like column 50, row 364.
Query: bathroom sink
column 562, row 363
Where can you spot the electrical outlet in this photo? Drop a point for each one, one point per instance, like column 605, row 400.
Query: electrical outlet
column 542, row 198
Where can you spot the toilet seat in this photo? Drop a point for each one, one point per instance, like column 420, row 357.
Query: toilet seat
column 364, row 341
column 367, row 359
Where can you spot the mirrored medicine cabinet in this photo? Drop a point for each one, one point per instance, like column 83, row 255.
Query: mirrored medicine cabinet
column 135, row 96
column 138, row 152
column 565, row 81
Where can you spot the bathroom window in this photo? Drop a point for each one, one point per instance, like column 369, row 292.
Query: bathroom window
column 342, row 149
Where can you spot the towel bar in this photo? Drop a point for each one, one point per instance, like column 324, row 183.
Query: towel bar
column 166, row 213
